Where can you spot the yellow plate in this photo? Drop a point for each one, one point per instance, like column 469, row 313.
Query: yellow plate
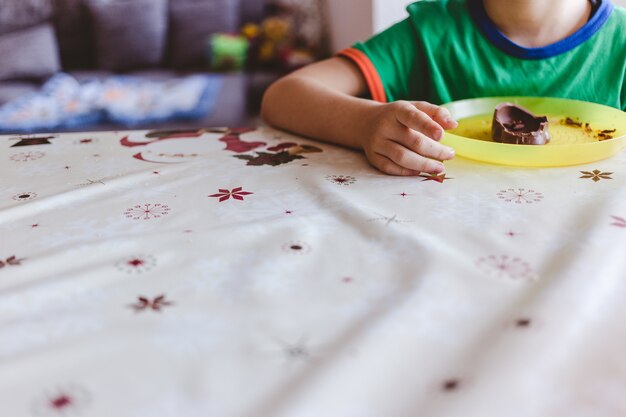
column 569, row 144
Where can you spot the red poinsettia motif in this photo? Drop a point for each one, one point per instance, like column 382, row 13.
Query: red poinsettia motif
column 144, row 303
column 11, row 261
column 618, row 222
column 236, row 193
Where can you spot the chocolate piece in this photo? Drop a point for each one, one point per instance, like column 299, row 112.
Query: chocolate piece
column 515, row 124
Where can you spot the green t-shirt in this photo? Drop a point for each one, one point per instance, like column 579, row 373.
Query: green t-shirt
column 450, row 50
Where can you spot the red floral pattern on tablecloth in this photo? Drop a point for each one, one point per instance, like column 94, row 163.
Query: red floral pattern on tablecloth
column 70, row 400
column 341, row 179
column 147, row 211
column 155, row 304
column 25, row 196
column 11, row 261
column 520, row 195
column 236, row 194
column 27, row 156
column 136, row 264
column 505, row 266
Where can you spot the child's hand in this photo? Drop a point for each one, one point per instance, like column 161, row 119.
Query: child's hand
column 404, row 138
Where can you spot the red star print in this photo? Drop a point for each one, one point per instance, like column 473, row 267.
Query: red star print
column 136, row 262
column 235, row 193
column 440, row 178
column 61, row 402
column 144, row 303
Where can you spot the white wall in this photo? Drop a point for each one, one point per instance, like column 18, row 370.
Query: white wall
column 620, row 2
column 350, row 21
column 388, row 12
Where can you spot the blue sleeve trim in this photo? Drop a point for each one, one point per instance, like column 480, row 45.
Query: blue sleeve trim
column 604, row 8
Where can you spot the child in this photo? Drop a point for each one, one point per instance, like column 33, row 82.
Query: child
column 451, row 50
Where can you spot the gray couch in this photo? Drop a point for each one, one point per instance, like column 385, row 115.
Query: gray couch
column 91, row 38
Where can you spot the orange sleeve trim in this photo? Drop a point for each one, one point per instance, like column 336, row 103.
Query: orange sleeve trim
column 372, row 78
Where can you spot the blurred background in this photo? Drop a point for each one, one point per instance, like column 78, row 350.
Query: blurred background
column 116, row 64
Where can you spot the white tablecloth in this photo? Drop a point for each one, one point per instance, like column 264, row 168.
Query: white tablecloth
column 254, row 273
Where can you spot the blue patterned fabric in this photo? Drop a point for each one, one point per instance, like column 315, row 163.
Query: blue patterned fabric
column 64, row 103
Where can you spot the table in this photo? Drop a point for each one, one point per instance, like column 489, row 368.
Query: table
column 250, row 272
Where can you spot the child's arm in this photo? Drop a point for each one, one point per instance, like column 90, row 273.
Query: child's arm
column 321, row 101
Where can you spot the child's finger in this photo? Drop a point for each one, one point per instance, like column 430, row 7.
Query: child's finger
column 387, row 166
column 408, row 115
column 408, row 159
column 437, row 113
column 423, row 145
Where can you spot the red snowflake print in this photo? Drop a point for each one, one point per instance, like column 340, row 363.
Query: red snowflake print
column 504, row 266
column 341, row 179
column 147, row 211
column 520, row 195
column 156, row 304
column 236, row 193
column 11, row 261
column 618, row 222
column 440, row 178
column 296, row 248
column 65, row 401
column 596, row 175
column 27, row 156
column 136, row 264
column 29, row 195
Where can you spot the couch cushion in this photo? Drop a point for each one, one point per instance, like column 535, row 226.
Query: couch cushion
column 21, row 14
column 191, row 24
column 74, row 34
column 251, row 11
column 33, row 53
column 129, row 34
column 11, row 90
